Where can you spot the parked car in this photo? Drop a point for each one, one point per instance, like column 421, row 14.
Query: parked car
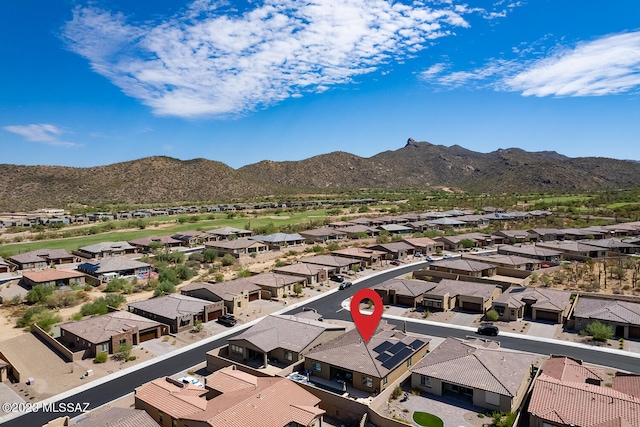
column 491, row 330
column 394, row 263
column 191, row 380
column 337, row 278
column 418, row 255
column 447, row 256
column 345, row 285
column 429, row 258
column 227, row 320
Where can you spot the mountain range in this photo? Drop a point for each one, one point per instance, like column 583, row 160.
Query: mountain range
column 416, row 165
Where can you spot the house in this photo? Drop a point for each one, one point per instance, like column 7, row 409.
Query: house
column 333, row 264
column 370, row 367
column 277, row 285
column 445, row 223
column 569, row 393
column 107, row 332
column 367, row 222
column 356, row 231
column 403, row 292
column 52, row 277
column 614, row 246
column 424, row 245
column 464, row 267
column 228, row 233
column 368, row 257
column 573, row 250
column 281, row 339
column 475, row 221
column 514, row 236
column 582, row 234
column 235, row 294
column 533, row 303
column 531, row 251
column 115, row 417
column 396, row 229
column 106, row 250
column 459, row 242
column 192, row 238
column 107, row 269
column 420, row 226
column 41, row 258
column 5, row 267
column 478, row 371
column 396, row 250
column 310, row 272
column 238, row 247
column 146, row 244
column 545, row 234
column 239, row 399
column 323, row 234
column 277, row 241
column 506, row 261
column 179, row 312
column 469, row 296
column 622, row 316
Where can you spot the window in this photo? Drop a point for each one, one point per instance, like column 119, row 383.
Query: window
column 425, row 381
column 408, row 362
column 174, row 423
column 367, row 382
column 123, row 342
column 62, row 332
column 185, row 322
column 239, row 304
column 160, row 418
column 316, row 366
column 288, row 356
column 236, row 349
column 105, row 346
column 513, row 312
column 385, row 380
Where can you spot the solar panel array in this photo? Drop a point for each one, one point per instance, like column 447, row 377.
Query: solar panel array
column 391, row 355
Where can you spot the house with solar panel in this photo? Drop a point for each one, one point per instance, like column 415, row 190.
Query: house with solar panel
column 370, row 367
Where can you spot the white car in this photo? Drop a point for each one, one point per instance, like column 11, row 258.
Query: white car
column 191, row 380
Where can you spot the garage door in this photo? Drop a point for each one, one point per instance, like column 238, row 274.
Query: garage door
column 214, row 315
column 634, row 331
column 254, row 296
column 147, row 335
column 408, row 301
column 470, row 306
column 547, row 315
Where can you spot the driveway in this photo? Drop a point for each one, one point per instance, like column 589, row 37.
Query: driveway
column 158, row 346
column 542, row 329
column 464, row 319
column 7, row 395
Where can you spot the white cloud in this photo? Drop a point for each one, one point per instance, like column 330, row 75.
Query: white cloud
column 212, row 61
column 605, row 66
column 42, row 133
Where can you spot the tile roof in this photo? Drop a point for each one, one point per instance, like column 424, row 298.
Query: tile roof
column 608, row 310
column 548, row 299
column 274, row 280
column 529, row 250
column 117, row 417
column 99, row 329
column 573, row 370
column 107, row 246
column 421, row 241
column 108, row 265
column 323, row 231
column 286, row 332
column 228, row 231
column 512, row 260
column 394, row 227
column 350, row 352
column 582, row 404
column 172, row 306
column 329, row 260
column 275, row 402
column 299, row 268
column 146, row 241
column 357, row 251
column 462, row 264
column 239, row 243
column 477, row 364
column 405, row 287
column 392, row 247
column 358, row 228
column 461, row 287
column 627, row 383
column 51, row 274
column 40, row 255
column 279, row 238
column 225, row 290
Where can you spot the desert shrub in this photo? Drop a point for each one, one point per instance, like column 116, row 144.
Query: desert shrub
column 116, row 285
column 168, row 275
column 198, row 257
column 228, row 260
column 62, row 299
column 599, row 331
column 184, row 273
column 100, row 305
column 492, row 315
column 210, row 255
column 39, row 293
column 164, row 288
column 43, row 317
column 101, row 357
column 397, row 392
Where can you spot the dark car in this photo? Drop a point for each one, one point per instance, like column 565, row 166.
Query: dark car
column 337, row 278
column 394, row 263
column 227, row 320
column 490, row 330
column 345, row 285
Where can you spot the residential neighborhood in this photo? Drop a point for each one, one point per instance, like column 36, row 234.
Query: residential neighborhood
column 316, row 365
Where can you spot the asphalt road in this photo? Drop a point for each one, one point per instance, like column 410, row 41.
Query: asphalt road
column 330, row 308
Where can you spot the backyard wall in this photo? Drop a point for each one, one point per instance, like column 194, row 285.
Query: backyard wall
column 66, row 354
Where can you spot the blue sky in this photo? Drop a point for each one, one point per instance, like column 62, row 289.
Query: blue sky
column 87, row 83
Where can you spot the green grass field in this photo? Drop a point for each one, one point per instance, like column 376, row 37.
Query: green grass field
column 427, row 420
column 73, row 243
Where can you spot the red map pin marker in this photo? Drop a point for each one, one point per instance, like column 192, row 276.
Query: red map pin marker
column 366, row 324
